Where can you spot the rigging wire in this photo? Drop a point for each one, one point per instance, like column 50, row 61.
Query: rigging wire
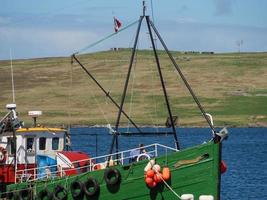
column 132, row 89
column 152, row 11
column 105, row 38
column 184, row 79
column 94, row 97
column 70, row 94
column 99, row 107
column 153, row 20
column 111, row 84
column 68, row 139
column 155, row 115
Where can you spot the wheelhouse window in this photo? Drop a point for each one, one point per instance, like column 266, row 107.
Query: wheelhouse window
column 55, row 143
column 30, row 144
column 42, row 143
column 10, row 146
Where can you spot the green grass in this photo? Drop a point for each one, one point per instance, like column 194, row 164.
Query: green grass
column 232, row 87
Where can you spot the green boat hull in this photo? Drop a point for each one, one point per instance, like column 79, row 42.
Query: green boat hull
column 197, row 174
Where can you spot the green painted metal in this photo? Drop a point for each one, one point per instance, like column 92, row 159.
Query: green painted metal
column 199, row 178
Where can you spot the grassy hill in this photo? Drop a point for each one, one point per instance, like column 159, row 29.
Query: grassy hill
column 232, row 87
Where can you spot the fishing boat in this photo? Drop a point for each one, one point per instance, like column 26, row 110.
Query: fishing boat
column 37, row 164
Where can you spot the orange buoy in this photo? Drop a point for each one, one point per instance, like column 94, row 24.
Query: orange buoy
column 152, row 184
column 166, row 173
column 150, row 173
column 96, row 167
column 149, row 180
column 158, row 177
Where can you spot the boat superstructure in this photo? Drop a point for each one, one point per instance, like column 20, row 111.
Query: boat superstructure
column 23, row 150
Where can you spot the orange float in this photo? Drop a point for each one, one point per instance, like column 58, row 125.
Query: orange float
column 150, row 173
column 158, row 178
column 152, row 184
column 166, row 173
column 149, row 180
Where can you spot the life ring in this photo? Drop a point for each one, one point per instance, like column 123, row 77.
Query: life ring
column 91, row 187
column 60, row 189
column 143, row 156
column 25, row 193
column 45, row 194
column 112, row 176
column 76, row 188
column 3, row 155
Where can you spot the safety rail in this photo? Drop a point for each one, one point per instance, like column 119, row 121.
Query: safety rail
column 92, row 164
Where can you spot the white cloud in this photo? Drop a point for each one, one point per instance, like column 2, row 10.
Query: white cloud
column 30, row 42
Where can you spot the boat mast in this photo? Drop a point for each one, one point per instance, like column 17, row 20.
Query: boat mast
column 115, row 136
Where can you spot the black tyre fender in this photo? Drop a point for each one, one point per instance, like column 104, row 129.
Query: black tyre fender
column 24, row 194
column 112, row 176
column 10, row 195
column 91, row 187
column 77, row 185
column 45, row 194
column 60, row 189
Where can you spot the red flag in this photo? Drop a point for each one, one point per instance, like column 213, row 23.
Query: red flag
column 117, row 24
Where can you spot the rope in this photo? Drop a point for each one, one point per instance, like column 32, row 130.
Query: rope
column 99, row 107
column 153, row 19
column 105, row 38
column 154, row 116
column 168, row 186
column 70, row 95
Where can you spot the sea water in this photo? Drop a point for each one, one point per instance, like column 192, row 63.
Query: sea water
column 245, row 153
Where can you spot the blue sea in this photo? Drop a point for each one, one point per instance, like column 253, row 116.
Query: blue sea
column 245, row 153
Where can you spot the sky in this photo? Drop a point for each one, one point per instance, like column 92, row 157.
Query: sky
column 51, row 28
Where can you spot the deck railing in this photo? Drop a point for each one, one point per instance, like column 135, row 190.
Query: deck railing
column 92, row 164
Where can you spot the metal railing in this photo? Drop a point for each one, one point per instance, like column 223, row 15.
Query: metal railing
column 91, row 164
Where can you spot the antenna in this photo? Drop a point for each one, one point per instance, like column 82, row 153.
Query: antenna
column 35, row 115
column 144, row 8
column 12, row 78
